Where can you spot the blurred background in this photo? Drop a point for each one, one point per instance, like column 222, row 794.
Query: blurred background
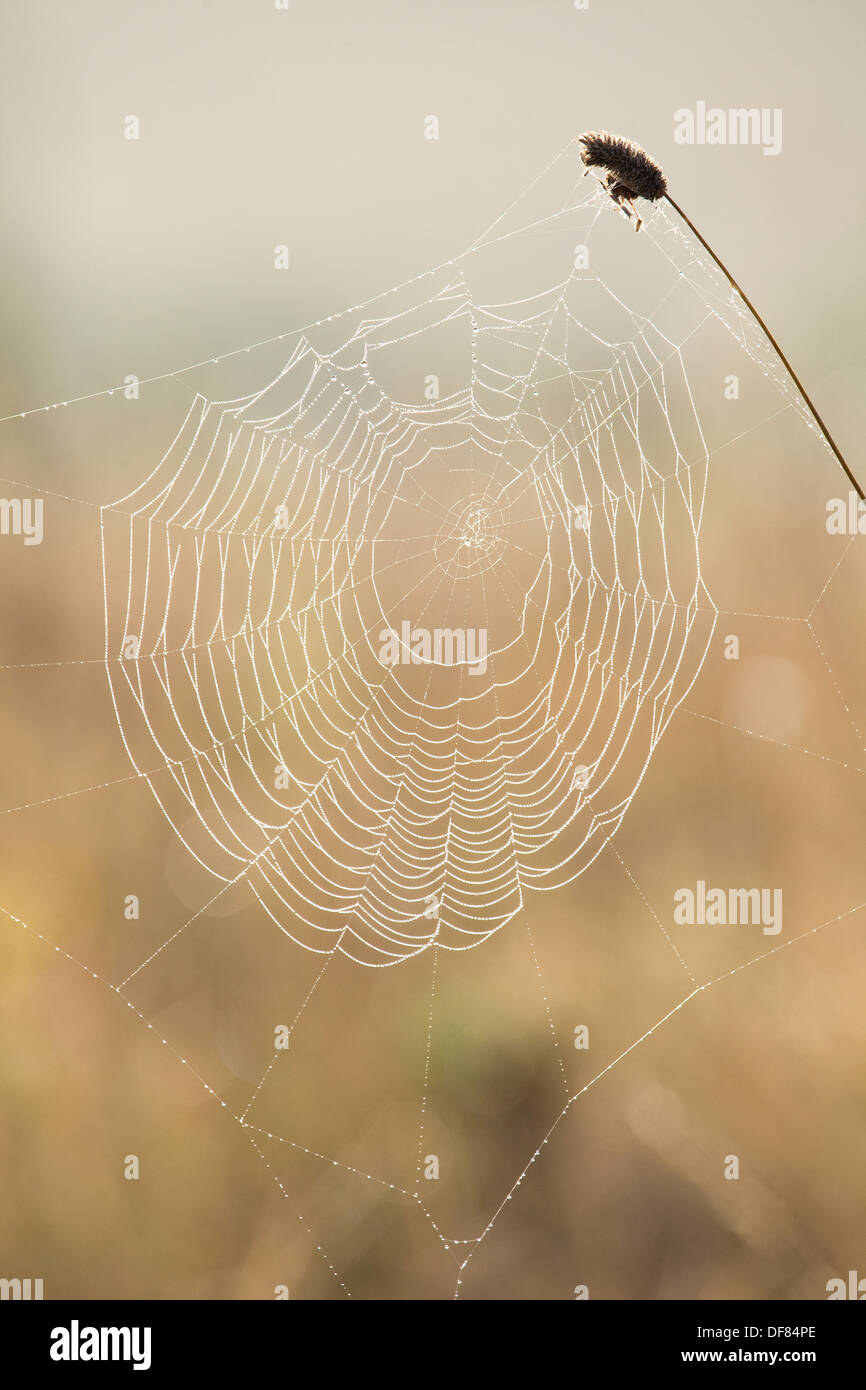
column 305, row 127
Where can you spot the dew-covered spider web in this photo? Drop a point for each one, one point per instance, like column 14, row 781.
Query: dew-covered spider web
column 547, row 501
column 397, row 630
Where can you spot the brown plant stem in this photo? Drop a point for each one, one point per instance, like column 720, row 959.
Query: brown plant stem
column 793, row 375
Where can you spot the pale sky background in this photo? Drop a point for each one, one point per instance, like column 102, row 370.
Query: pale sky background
column 306, row 127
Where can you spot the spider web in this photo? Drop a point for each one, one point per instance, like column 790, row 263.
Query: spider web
column 519, row 443
column 544, row 498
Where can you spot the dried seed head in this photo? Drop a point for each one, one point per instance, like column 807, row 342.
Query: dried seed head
column 630, row 166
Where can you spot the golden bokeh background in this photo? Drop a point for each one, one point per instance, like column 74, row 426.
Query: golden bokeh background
column 306, row 127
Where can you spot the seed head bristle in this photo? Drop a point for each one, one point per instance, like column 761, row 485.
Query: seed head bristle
column 630, row 166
